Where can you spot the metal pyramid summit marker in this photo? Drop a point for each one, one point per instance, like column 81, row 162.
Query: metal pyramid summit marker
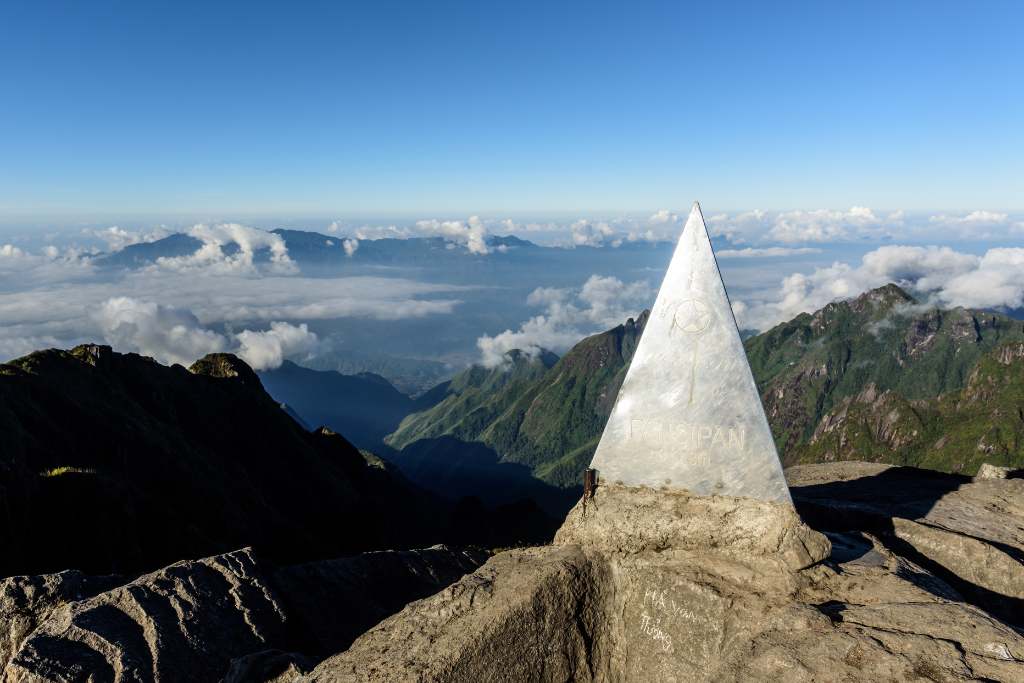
column 688, row 415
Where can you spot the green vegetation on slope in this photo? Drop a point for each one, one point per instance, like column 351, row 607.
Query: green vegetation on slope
column 883, row 343
column 880, row 377
column 545, row 416
column 954, row 432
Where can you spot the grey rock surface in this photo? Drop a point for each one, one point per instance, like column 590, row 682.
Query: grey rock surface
column 184, row 622
column 969, row 532
column 990, row 471
column 526, row 615
column 27, row 601
column 659, row 586
column 905, row 584
column 633, row 519
column 221, row 617
column 331, row 602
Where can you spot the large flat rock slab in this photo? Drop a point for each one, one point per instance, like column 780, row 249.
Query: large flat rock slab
column 184, row 622
column 527, row 615
column 968, row 531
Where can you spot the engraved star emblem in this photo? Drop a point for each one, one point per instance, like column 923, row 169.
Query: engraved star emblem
column 693, row 316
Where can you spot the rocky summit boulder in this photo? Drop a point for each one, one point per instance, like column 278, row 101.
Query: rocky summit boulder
column 228, row 617
column 968, row 532
column 332, row 602
column 184, row 622
column 646, row 585
column 27, row 601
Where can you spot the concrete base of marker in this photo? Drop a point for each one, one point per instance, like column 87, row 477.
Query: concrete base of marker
column 631, row 520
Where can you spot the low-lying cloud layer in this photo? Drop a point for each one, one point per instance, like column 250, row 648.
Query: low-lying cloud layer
column 240, row 278
column 754, row 227
column 942, row 274
column 180, row 308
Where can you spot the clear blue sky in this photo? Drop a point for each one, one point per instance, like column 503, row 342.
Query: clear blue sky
column 420, row 107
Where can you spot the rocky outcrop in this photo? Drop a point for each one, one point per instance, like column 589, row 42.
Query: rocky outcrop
column 27, row 601
column 225, row 366
column 645, row 585
column 225, row 617
column 527, row 615
column 632, row 520
column 871, row 421
column 987, row 471
column 362, row 590
column 971, row 533
column 186, row 621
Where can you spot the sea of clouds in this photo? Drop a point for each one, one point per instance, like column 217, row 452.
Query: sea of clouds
column 222, row 297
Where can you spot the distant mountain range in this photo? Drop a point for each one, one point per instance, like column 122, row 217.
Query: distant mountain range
column 881, row 377
column 364, row 407
column 411, row 376
column 316, row 248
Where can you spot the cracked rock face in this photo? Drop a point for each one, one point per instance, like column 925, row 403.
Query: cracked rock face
column 969, row 533
column 527, row 615
column 226, row 617
column 27, row 601
column 649, row 585
column 184, row 622
column 626, row 520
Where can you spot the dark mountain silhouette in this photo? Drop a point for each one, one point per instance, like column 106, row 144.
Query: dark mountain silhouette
column 115, row 463
column 145, row 253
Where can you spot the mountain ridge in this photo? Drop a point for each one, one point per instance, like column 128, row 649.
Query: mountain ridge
column 882, row 346
column 115, row 463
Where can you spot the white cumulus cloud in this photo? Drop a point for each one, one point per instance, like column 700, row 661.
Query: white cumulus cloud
column 213, row 257
column 471, row 233
column 569, row 315
column 947, row 276
column 822, row 225
column 267, row 349
column 588, row 234
column 973, row 218
column 171, row 335
column 176, row 335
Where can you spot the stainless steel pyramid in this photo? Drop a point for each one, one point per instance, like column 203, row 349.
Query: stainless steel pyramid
column 688, row 415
